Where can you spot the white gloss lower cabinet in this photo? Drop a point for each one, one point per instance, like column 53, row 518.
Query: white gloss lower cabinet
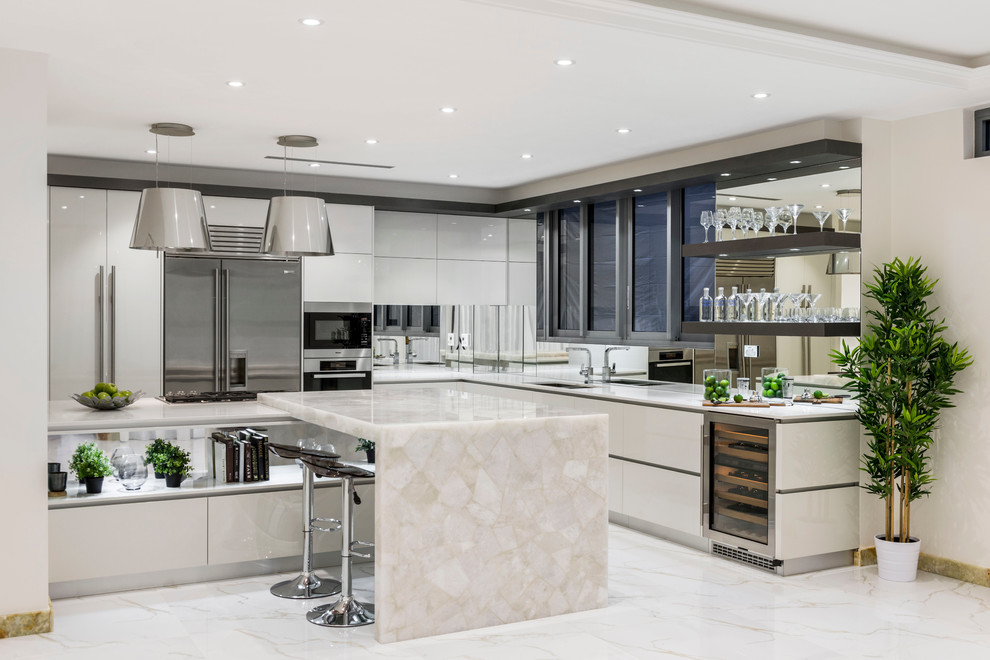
column 816, row 522
column 126, row 539
column 662, row 497
column 615, row 485
column 257, row 526
column 671, row 438
column 339, row 278
column 471, row 282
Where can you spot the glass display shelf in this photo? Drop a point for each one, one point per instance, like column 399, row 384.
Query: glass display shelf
column 834, row 329
column 790, row 245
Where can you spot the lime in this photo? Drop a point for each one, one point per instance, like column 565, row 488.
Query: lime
column 767, row 393
column 710, row 380
column 818, row 394
column 738, row 398
column 781, row 376
column 775, row 386
column 723, row 383
column 708, row 390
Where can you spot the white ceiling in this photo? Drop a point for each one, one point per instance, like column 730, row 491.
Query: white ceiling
column 383, row 68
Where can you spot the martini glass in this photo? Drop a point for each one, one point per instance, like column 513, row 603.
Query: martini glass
column 821, row 217
column 747, row 221
column 812, row 299
column 795, row 210
column 778, row 302
column 721, row 219
column 784, row 219
column 843, row 214
column 773, row 212
column 796, row 299
column 765, row 299
column 743, row 305
column 734, row 215
column 707, row 221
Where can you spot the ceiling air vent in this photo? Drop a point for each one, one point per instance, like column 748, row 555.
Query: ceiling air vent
column 235, row 239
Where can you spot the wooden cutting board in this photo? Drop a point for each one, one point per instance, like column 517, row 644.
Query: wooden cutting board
column 744, row 404
column 798, row 399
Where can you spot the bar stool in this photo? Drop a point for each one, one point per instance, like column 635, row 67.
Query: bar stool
column 307, row 584
column 346, row 612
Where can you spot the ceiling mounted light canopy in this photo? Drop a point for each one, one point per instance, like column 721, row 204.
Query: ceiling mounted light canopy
column 297, row 226
column 170, row 218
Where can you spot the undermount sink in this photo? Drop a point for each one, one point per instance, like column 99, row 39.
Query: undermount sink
column 638, row 383
column 434, row 364
column 566, row 386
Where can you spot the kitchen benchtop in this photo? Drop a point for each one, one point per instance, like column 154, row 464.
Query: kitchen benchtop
column 678, row 396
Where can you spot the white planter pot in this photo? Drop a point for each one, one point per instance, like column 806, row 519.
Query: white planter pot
column 898, row 562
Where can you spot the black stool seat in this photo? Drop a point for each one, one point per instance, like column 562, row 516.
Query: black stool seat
column 329, row 467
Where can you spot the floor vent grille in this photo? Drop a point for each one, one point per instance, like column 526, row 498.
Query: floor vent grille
column 743, row 556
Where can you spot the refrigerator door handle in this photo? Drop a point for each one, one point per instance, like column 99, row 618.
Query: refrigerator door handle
column 100, row 327
column 217, row 348
column 112, row 322
column 226, row 329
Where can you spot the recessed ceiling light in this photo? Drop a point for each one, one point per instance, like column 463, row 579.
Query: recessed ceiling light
column 371, row 141
column 726, row 174
column 563, row 62
column 527, row 156
column 732, row 199
column 818, row 206
column 639, row 206
column 64, row 207
column 150, row 151
column 826, row 185
column 637, row 190
column 527, row 210
column 213, row 206
column 795, row 249
column 724, row 255
column 235, row 83
column 623, row 131
column 771, row 178
column 314, row 164
column 795, row 162
column 82, row 196
column 761, row 95
column 843, row 167
column 310, row 22
column 577, row 201
column 447, row 109
column 452, row 176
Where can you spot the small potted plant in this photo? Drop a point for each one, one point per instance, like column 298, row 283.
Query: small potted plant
column 175, row 465
column 153, row 455
column 367, row 446
column 90, row 465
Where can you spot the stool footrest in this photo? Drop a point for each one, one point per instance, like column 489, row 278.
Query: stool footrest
column 334, row 524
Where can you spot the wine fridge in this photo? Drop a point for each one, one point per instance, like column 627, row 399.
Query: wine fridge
column 738, row 497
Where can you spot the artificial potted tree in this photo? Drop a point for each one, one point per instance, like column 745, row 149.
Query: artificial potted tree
column 153, row 454
column 367, row 446
column 902, row 373
column 90, row 465
column 175, row 465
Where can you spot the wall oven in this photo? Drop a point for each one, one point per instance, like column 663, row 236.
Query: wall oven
column 675, row 366
column 336, row 326
column 333, row 370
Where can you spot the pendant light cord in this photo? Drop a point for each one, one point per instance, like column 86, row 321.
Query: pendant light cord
column 156, row 160
column 285, row 175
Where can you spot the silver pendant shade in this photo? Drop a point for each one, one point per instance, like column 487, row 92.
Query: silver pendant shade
column 170, row 218
column 297, row 226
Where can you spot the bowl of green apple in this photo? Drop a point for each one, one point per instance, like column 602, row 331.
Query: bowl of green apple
column 106, row 396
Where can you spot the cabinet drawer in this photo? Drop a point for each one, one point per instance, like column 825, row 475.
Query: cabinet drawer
column 817, row 454
column 663, row 437
column 816, row 522
column 663, row 497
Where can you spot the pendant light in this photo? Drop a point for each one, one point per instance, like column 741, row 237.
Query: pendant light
column 170, row 218
column 297, row 226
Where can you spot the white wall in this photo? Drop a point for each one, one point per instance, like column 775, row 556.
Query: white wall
column 24, row 332
column 935, row 205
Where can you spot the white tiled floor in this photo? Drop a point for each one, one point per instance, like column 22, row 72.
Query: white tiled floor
column 665, row 601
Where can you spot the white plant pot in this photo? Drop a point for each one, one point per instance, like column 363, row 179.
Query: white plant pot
column 898, row 562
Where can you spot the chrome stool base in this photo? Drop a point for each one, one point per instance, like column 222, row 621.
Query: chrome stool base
column 306, row 586
column 345, row 613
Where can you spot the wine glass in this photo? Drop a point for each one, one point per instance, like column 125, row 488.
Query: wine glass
column 743, row 305
column 795, row 210
column 784, row 219
column 757, row 223
column 843, row 215
column 773, row 213
column 707, row 221
column 821, row 217
column 747, row 221
column 721, row 219
column 734, row 215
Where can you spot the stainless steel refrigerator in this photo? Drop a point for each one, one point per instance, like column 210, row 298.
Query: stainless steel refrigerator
column 232, row 324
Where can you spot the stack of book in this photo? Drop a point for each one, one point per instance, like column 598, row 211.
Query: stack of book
column 240, row 455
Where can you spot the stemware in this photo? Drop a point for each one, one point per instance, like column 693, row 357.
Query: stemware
column 757, row 223
column 743, row 306
column 118, row 456
column 821, row 217
column 812, row 298
column 784, row 218
column 796, row 299
column 721, row 219
column 773, row 213
column 707, row 221
column 795, row 210
column 734, row 216
column 843, row 215
column 132, row 472
column 778, row 302
column 747, row 221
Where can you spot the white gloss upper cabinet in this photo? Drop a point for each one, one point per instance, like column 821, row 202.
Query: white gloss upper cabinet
column 471, row 238
column 104, row 298
column 405, row 235
column 402, row 281
column 352, row 228
column 470, row 282
column 339, row 278
column 235, row 211
column 522, row 240
column 522, row 283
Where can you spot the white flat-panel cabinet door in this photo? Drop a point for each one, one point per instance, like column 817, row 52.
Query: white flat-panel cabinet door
column 406, row 281
column 77, row 279
column 522, row 283
column 522, row 239
column 352, row 228
column 405, row 235
column 471, row 238
column 471, row 282
column 134, row 320
column 339, row 278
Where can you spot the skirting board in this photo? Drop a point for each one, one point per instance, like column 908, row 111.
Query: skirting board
column 26, row 623
column 932, row 564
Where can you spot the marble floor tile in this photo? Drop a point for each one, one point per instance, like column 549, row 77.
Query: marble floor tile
column 665, row 601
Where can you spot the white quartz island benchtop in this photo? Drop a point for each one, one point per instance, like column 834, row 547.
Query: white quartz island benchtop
column 149, row 413
column 488, row 510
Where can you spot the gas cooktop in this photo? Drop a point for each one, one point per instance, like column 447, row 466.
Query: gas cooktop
column 208, row 397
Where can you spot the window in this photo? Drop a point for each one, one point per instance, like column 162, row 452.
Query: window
column 649, row 264
column 569, row 269
column 602, row 266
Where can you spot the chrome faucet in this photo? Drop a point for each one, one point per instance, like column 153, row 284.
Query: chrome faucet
column 586, row 369
column 410, row 353
column 395, row 354
column 608, row 372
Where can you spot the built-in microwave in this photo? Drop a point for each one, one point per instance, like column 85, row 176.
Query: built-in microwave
column 336, row 326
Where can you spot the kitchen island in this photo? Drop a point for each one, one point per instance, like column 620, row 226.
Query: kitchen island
column 488, row 509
